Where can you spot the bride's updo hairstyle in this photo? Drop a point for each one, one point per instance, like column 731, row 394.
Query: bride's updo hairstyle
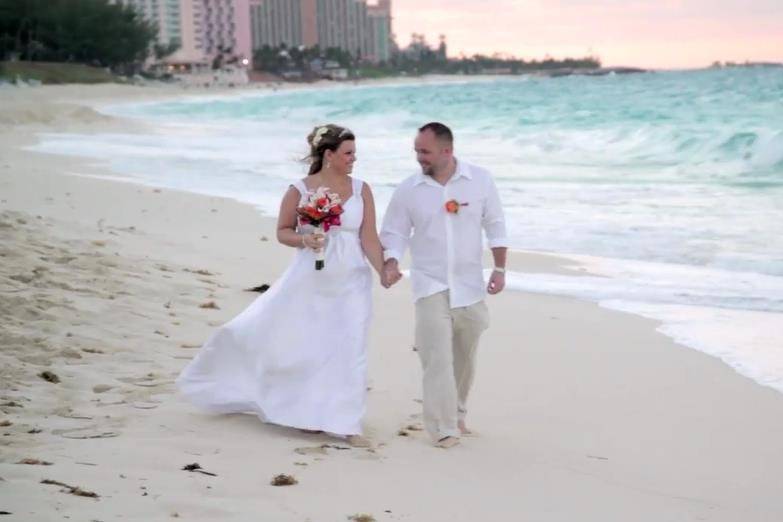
column 323, row 138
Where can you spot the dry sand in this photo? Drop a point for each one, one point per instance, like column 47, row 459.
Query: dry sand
column 584, row 414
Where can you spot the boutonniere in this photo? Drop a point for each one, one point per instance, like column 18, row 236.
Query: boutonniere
column 452, row 206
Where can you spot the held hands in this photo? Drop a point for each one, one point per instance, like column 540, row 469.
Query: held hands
column 390, row 273
column 497, row 281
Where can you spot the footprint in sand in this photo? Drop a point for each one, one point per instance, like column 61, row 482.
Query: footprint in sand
column 200, row 271
column 148, row 381
column 91, row 432
column 320, row 450
column 312, row 450
column 69, row 353
column 144, row 405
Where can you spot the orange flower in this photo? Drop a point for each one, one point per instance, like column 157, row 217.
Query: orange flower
column 335, row 210
column 452, row 206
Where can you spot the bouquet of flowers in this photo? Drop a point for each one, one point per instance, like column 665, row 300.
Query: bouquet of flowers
column 322, row 210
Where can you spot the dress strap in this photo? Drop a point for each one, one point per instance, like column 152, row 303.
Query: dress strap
column 300, row 186
column 357, row 187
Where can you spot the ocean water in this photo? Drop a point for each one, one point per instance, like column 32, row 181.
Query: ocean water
column 668, row 187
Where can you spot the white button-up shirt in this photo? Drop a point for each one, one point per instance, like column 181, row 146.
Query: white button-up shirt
column 446, row 248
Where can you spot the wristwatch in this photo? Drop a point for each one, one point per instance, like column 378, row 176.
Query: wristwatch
column 499, row 270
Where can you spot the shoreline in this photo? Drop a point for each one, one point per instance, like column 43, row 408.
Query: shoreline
column 572, row 401
column 668, row 323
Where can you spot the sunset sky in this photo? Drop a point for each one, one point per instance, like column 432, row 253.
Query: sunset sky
column 656, row 34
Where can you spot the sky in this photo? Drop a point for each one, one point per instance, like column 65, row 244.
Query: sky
column 645, row 33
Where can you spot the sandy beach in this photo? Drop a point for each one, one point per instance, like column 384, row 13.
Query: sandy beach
column 109, row 288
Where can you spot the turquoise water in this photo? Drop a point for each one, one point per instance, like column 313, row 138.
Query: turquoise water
column 669, row 185
column 682, row 167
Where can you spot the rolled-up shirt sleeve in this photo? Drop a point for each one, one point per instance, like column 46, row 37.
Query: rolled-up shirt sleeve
column 493, row 220
column 396, row 228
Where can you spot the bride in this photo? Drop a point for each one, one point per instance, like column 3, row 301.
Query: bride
column 297, row 355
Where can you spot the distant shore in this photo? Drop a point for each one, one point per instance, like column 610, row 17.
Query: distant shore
column 37, row 73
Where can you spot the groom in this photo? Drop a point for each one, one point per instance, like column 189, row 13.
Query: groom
column 441, row 212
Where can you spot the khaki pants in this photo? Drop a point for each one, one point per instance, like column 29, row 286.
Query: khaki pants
column 446, row 341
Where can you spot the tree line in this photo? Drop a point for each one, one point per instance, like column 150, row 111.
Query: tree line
column 93, row 32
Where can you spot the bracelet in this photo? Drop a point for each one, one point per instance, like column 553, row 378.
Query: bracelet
column 499, row 270
column 304, row 245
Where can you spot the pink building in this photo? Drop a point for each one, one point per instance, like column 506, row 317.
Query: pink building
column 201, row 28
column 223, row 26
column 359, row 27
column 309, row 23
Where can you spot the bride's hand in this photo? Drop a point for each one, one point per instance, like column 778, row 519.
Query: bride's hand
column 313, row 241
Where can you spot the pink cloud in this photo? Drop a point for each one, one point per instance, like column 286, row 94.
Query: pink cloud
column 663, row 33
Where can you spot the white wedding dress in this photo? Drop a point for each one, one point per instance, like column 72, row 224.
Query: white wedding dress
column 297, row 355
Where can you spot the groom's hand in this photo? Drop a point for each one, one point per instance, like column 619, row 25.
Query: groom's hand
column 391, row 273
column 497, row 281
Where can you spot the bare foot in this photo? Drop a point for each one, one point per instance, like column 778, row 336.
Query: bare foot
column 447, row 442
column 464, row 429
column 357, row 441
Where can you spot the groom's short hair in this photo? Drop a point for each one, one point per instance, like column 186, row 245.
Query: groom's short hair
column 441, row 132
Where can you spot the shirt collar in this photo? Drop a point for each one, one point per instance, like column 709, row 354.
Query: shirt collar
column 463, row 171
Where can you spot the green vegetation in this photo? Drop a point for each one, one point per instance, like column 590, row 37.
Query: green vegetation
column 283, row 58
column 93, row 32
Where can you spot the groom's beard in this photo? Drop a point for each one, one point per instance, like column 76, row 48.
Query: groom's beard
column 427, row 170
